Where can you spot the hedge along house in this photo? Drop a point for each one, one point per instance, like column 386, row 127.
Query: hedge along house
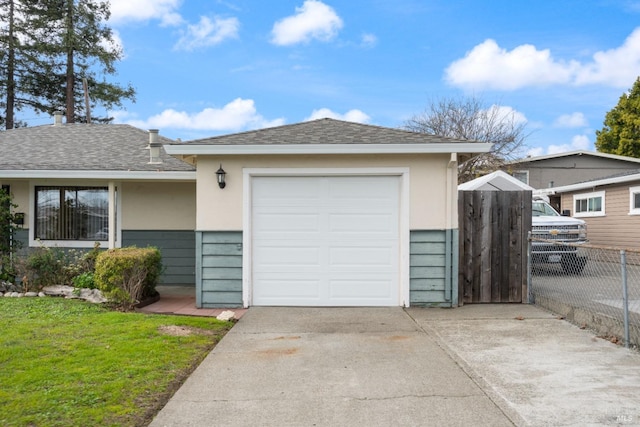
column 78, row 184
column 326, row 213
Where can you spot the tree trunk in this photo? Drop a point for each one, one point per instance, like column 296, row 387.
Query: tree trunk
column 70, row 78
column 11, row 64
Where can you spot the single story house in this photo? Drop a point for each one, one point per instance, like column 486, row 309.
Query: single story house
column 609, row 205
column 321, row 213
column 561, row 169
column 326, row 213
column 77, row 184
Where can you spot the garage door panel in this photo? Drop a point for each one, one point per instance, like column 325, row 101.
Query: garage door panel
column 325, row 241
column 357, row 257
column 283, row 288
column 369, row 291
column 270, row 257
column 353, row 223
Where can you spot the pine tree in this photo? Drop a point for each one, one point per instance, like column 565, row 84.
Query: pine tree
column 50, row 48
column 621, row 132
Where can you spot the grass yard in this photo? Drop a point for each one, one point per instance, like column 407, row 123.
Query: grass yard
column 72, row 363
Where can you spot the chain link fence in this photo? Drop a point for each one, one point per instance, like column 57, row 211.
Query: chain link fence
column 592, row 286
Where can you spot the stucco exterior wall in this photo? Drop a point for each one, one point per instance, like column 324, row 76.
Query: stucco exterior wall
column 20, row 191
column 433, row 201
column 145, row 205
column 158, row 205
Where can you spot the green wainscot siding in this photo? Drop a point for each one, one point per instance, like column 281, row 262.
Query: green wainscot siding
column 218, row 269
column 178, row 250
column 433, row 277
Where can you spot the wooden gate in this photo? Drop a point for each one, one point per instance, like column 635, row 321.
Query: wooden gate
column 493, row 229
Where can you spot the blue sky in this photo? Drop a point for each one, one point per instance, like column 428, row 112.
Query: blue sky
column 205, row 68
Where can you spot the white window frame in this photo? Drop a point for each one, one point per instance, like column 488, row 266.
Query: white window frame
column 114, row 194
column 586, row 196
column 632, row 192
column 525, row 172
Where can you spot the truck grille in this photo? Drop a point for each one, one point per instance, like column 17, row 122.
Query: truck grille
column 563, row 233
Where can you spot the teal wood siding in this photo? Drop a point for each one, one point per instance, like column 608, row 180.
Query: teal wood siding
column 433, row 265
column 178, row 249
column 219, row 269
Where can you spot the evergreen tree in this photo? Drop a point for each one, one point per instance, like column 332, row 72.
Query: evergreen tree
column 55, row 45
column 621, row 132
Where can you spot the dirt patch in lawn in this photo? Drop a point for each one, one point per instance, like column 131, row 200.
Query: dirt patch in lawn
column 183, row 331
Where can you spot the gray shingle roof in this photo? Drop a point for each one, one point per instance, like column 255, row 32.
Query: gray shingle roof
column 325, row 131
column 82, row 147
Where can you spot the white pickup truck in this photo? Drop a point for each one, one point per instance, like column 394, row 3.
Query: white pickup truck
column 548, row 224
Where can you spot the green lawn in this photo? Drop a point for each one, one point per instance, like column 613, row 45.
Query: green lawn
column 72, row 363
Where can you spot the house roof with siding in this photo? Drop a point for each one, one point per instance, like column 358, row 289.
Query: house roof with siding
column 82, row 147
column 627, row 177
column 575, row 153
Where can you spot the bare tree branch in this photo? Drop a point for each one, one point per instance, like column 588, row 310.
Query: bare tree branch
column 469, row 119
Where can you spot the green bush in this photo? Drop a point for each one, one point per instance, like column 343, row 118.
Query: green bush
column 47, row 266
column 127, row 275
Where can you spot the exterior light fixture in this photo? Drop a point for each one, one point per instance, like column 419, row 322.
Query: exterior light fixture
column 18, row 219
column 220, row 173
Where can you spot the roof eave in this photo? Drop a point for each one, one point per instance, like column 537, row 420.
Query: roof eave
column 591, row 184
column 112, row 175
column 276, row 149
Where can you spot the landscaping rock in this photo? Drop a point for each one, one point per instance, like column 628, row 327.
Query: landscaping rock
column 226, row 315
column 91, row 295
column 30, row 294
column 42, row 294
column 58, row 290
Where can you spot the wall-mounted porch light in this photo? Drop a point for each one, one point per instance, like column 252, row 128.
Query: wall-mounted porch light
column 220, row 173
column 18, row 219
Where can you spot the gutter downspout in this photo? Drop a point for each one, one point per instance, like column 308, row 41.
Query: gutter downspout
column 451, row 258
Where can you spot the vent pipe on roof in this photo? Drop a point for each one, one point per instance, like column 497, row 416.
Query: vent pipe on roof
column 154, row 147
column 57, row 118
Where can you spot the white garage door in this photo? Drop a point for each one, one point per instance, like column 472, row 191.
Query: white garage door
column 326, row 241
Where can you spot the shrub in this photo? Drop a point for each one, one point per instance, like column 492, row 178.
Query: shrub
column 127, row 275
column 46, row 266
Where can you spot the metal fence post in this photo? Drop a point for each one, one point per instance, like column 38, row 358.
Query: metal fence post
column 625, row 296
column 529, row 290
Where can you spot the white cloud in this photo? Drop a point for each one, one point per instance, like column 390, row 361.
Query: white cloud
column 144, row 10
column 313, row 20
column 616, row 67
column 208, row 33
column 239, row 114
column 350, row 116
column 504, row 113
column 573, row 120
column 578, row 142
column 368, row 40
column 489, row 66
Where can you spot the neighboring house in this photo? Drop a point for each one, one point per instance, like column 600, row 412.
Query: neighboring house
column 610, row 206
column 326, row 213
column 81, row 183
column 568, row 168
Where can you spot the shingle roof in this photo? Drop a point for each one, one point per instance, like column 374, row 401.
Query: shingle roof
column 84, row 147
column 325, row 131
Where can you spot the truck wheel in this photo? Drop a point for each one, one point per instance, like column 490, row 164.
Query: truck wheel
column 572, row 264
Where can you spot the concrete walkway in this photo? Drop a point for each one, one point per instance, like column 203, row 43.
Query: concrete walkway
column 482, row 365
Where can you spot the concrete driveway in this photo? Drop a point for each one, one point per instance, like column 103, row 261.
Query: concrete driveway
column 480, row 365
column 328, row 367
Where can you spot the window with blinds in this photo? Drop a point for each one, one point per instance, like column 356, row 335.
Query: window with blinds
column 72, row 213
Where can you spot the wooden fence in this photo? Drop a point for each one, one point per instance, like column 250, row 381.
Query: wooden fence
column 493, row 246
